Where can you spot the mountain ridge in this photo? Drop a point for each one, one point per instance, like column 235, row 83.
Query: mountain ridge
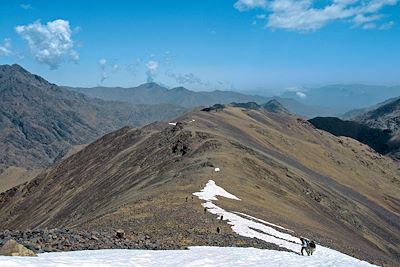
column 39, row 119
column 282, row 168
column 182, row 96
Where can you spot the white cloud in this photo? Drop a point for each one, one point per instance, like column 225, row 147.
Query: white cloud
column 301, row 95
column 152, row 70
column 187, row 78
column 103, row 76
column 243, row 5
column 152, row 65
column 115, row 67
column 102, row 62
column 49, row 43
column 387, row 26
column 25, row 6
column 304, row 15
column 261, row 16
column 5, row 48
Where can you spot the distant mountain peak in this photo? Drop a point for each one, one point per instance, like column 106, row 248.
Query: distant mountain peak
column 16, row 72
column 275, row 106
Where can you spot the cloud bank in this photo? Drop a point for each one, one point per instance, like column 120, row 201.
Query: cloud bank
column 49, row 43
column 305, row 15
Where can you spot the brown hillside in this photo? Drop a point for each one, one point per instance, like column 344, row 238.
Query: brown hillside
column 335, row 190
column 39, row 121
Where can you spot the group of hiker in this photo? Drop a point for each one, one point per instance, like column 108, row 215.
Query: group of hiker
column 308, row 246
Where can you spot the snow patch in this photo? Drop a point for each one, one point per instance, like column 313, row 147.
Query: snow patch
column 264, row 222
column 249, row 226
column 217, row 169
column 211, row 190
column 172, row 123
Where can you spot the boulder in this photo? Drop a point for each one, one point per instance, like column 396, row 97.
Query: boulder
column 12, row 248
column 120, row 233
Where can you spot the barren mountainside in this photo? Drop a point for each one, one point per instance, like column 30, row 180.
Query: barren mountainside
column 386, row 116
column 39, row 120
column 335, row 190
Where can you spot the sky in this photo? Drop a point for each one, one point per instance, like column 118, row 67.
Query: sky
column 243, row 45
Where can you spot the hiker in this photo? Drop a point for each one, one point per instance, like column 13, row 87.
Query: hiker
column 304, row 246
column 312, row 247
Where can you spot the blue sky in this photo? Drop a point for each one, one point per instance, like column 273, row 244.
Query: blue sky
column 246, row 45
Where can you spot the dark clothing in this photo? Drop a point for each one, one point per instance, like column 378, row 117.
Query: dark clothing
column 304, row 246
column 312, row 247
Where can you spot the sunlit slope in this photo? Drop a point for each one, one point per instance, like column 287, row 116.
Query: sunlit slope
column 335, row 190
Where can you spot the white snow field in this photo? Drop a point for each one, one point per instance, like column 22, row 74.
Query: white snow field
column 195, row 256
column 241, row 223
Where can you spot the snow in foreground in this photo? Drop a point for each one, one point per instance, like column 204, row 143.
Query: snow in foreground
column 242, row 224
column 195, row 256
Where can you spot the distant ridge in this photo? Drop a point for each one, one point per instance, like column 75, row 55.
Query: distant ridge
column 39, row 120
column 152, row 93
column 271, row 106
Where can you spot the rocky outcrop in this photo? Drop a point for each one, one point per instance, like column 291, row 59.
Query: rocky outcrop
column 56, row 240
column 12, row 248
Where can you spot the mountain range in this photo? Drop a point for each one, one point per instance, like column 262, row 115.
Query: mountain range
column 152, row 93
column 334, row 190
column 40, row 120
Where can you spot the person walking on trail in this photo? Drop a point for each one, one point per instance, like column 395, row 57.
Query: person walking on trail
column 304, row 245
column 312, row 247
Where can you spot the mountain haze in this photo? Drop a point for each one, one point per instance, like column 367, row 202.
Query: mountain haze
column 344, row 97
column 152, row 93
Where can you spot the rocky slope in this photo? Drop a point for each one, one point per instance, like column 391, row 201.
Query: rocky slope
column 385, row 116
column 39, row 120
column 335, row 190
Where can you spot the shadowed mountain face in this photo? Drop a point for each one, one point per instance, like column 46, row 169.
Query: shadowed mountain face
column 379, row 140
column 285, row 171
column 39, row 120
column 152, row 93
